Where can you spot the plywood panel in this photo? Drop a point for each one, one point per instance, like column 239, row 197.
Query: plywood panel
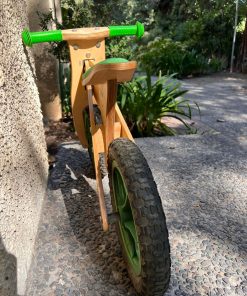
column 85, row 34
column 79, row 51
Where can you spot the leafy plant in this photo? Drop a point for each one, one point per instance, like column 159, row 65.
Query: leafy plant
column 170, row 56
column 120, row 47
column 144, row 103
column 194, row 33
column 203, row 26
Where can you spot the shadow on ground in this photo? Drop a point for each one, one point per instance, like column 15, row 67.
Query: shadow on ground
column 8, row 272
column 73, row 254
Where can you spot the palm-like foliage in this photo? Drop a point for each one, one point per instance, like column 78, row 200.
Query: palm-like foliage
column 144, row 103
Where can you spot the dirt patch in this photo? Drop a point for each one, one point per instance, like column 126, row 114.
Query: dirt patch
column 57, row 132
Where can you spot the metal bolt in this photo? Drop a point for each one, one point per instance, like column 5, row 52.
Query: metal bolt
column 75, row 46
column 98, row 44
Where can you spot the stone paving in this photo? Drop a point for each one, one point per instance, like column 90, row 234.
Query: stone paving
column 202, row 180
column 223, row 103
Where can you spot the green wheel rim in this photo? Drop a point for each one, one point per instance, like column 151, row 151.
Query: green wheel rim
column 126, row 222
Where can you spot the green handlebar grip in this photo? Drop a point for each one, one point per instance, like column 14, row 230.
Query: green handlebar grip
column 29, row 38
column 137, row 29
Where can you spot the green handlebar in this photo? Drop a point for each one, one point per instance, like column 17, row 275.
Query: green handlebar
column 137, row 29
column 29, row 38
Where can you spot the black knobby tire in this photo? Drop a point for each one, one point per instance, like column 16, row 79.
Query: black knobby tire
column 126, row 159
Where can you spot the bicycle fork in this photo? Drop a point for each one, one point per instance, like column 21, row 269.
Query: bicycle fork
column 102, row 136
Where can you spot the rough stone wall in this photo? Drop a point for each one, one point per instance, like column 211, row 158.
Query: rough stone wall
column 23, row 158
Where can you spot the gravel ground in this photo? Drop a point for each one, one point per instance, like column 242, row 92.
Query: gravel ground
column 204, row 198
column 202, row 180
column 223, row 103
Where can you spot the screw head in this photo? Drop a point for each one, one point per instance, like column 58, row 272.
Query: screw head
column 75, row 46
column 98, row 44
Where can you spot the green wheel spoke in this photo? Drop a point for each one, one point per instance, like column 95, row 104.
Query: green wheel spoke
column 120, row 191
column 126, row 222
column 130, row 227
column 125, row 214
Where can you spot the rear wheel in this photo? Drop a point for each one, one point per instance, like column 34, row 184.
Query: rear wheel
column 88, row 134
column 87, row 126
column 142, row 225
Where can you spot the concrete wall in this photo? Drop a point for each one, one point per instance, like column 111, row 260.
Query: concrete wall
column 23, row 157
column 45, row 63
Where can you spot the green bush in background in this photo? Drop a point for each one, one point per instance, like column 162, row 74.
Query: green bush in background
column 120, row 47
column 171, row 56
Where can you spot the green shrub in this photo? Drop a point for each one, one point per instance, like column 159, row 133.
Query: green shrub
column 194, row 33
column 204, row 26
column 120, row 47
column 144, row 103
column 172, row 57
column 216, row 64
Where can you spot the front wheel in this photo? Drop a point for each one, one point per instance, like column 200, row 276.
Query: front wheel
column 142, row 225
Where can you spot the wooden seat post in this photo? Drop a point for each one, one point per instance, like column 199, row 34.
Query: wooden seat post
column 110, row 112
column 97, row 149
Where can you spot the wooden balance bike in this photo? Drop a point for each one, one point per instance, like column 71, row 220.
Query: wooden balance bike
column 100, row 126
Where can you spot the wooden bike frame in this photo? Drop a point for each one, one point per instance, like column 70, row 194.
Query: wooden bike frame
column 84, row 54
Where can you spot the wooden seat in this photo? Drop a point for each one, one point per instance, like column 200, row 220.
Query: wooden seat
column 117, row 69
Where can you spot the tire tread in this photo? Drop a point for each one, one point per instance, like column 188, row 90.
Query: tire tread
column 148, row 215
